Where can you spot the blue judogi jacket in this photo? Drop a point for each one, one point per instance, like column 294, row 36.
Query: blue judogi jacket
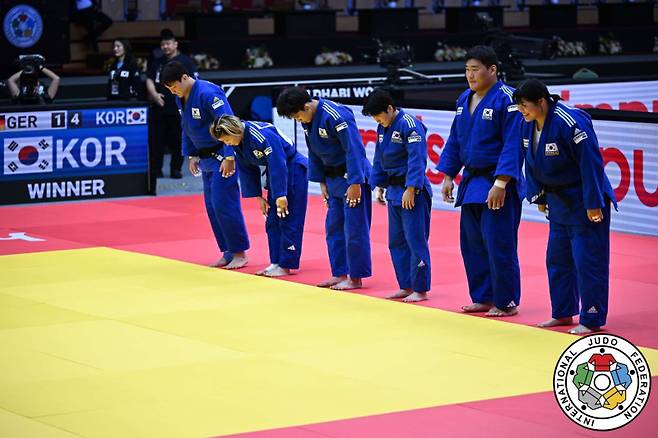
column 334, row 140
column 566, row 170
column 205, row 102
column 263, row 146
column 487, row 139
column 401, row 151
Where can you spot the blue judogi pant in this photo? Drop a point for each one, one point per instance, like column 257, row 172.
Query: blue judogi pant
column 222, row 199
column 348, row 235
column 284, row 235
column 578, row 263
column 489, row 248
column 408, row 234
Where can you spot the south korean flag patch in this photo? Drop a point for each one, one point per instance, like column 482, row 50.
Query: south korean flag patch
column 414, row 137
column 487, row 114
column 396, row 137
column 323, row 133
column 196, row 114
column 257, row 153
column 217, row 102
column 579, row 136
column 551, row 150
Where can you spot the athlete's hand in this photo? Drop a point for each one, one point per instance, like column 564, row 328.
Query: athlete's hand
column 325, row 194
column 409, row 198
column 595, row 215
column 543, row 208
column 160, row 99
column 446, row 190
column 227, row 168
column 282, row 206
column 353, row 195
column 194, row 166
column 496, row 198
column 263, row 205
column 379, row 195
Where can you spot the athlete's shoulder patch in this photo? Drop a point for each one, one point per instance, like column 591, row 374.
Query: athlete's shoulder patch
column 414, row 137
column 341, row 126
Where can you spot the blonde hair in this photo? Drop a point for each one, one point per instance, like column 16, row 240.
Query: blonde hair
column 226, row 125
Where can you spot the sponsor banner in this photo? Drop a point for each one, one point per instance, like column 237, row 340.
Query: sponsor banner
column 625, row 96
column 630, row 152
column 65, row 145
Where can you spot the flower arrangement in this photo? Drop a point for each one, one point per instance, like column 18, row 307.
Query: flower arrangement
column 257, row 57
column 609, row 45
column 204, row 61
column 449, row 53
column 327, row 57
column 570, row 48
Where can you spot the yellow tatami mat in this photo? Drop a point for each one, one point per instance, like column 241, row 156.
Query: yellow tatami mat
column 105, row 343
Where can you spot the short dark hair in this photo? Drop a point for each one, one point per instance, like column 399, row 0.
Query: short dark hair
column 166, row 35
column 173, row 72
column 485, row 54
column 532, row 90
column 377, row 102
column 291, row 101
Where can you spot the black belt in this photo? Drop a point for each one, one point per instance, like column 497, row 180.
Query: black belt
column 335, row 171
column 211, row 152
column 559, row 191
column 482, row 171
column 397, row 180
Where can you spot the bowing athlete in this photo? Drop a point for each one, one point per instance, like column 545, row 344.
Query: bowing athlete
column 484, row 140
column 199, row 102
column 398, row 171
column 260, row 145
column 566, row 179
column 337, row 160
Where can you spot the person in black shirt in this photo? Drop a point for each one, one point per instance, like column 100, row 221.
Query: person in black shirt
column 164, row 119
column 124, row 82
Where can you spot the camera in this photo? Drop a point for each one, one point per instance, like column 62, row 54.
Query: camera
column 30, row 88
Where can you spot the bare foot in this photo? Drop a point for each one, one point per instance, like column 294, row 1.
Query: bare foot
column 496, row 312
column 220, row 263
column 350, row 283
column 477, row 307
column 239, row 261
column 583, row 330
column 278, row 271
column 416, row 297
column 269, row 268
column 402, row 293
column 554, row 322
column 332, row 281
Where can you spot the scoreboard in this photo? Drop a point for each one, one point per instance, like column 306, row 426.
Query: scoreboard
column 73, row 153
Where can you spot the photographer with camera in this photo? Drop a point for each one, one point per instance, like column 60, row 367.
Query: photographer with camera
column 24, row 85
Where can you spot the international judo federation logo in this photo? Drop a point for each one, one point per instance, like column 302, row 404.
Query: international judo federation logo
column 602, row 382
column 28, row 155
column 23, row 26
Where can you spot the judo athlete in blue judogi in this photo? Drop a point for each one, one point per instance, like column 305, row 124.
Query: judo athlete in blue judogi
column 398, row 171
column 337, row 160
column 260, row 145
column 485, row 141
column 566, row 179
column 200, row 102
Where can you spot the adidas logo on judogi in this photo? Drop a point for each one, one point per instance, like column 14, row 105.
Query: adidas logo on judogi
column 511, row 304
column 592, row 310
column 421, row 264
column 292, row 248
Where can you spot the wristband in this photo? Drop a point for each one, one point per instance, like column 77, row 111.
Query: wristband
column 500, row 183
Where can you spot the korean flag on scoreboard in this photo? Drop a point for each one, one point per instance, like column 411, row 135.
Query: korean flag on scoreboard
column 135, row 116
column 28, row 155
